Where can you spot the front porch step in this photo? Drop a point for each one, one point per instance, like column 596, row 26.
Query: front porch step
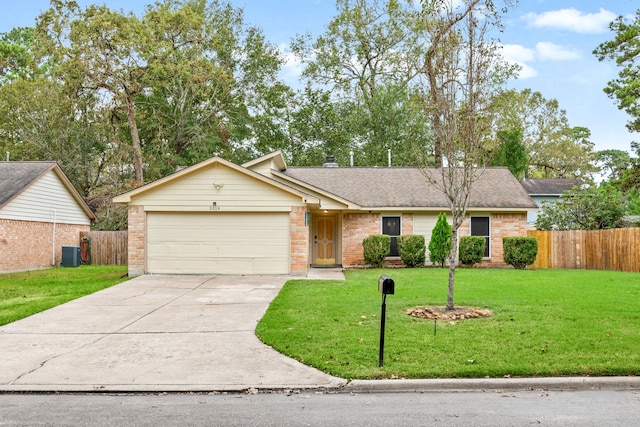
column 393, row 262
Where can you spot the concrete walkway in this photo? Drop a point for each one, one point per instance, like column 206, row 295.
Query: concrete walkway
column 155, row 333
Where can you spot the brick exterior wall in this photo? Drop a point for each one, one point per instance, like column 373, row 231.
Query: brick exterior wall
column 299, row 241
column 407, row 223
column 356, row 226
column 136, row 247
column 28, row 245
column 501, row 225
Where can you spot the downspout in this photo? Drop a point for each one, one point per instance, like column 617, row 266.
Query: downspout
column 53, row 241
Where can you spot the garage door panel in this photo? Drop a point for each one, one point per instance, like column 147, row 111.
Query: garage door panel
column 218, row 243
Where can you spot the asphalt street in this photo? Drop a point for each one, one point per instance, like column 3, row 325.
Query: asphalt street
column 312, row 408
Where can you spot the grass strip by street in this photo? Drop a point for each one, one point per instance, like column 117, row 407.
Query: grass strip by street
column 26, row 293
column 544, row 323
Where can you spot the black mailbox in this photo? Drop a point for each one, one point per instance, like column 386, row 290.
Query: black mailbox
column 386, row 285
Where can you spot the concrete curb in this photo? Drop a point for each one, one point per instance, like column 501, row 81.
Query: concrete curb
column 359, row 386
column 492, row 384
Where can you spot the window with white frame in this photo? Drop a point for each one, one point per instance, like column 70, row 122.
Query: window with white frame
column 481, row 226
column 391, row 225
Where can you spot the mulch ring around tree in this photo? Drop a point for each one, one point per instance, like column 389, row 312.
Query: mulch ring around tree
column 441, row 313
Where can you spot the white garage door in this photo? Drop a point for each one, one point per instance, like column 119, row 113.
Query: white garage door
column 218, row 243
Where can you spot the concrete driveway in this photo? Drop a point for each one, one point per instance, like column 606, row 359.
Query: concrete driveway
column 154, row 333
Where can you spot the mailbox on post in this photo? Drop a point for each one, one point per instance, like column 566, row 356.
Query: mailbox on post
column 386, row 286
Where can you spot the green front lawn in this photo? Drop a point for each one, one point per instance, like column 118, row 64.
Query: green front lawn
column 545, row 323
column 24, row 294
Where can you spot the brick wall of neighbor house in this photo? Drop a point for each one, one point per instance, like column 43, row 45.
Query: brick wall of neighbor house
column 28, row 245
column 299, row 241
column 136, row 229
column 502, row 225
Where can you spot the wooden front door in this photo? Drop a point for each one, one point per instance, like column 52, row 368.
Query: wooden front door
column 324, row 248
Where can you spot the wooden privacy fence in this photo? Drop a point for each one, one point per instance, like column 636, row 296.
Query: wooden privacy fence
column 613, row 249
column 107, row 247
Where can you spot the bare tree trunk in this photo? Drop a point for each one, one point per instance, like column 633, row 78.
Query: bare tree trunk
column 452, row 266
column 135, row 140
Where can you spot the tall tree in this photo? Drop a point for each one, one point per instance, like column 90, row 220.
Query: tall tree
column 554, row 148
column 462, row 69
column 185, row 80
column 102, row 49
column 16, row 56
column 366, row 60
column 613, row 163
column 511, row 152
column 624, row 49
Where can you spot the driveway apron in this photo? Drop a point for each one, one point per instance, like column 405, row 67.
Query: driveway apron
column 154, row 333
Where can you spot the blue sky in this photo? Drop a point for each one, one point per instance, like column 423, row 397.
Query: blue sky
column 551, row 39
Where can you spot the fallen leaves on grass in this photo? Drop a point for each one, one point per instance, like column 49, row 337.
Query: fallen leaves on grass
column 441, row 313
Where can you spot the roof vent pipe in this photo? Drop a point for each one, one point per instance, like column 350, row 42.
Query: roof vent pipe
column 351, row 158
column 331, row 162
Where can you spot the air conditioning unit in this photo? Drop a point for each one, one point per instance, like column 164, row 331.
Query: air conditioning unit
column 70, row 256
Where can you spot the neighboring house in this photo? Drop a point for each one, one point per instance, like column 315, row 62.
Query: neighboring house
column 550, row 190
column 40, row 211
column 263, row 217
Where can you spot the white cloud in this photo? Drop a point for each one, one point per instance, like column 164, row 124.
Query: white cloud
column 547, row 51
column 572, row 20
column 517, row 52
column 520, row 55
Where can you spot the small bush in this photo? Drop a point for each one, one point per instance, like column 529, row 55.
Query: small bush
column 520, row 252
column 412, row 249
column 376, row 248
column 471, row 250
column 440, row 243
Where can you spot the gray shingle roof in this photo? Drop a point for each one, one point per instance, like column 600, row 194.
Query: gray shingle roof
column 549, row 187
column 16, row 176
column 408, row 187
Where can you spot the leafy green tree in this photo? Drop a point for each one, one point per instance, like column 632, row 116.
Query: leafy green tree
column 366, row 59
column 440, row 243
column 185, row 80
column 511, row 152
column 625, row 51
column 554, row 148
column 16, row 56
column 317, row 127
column 583, row 209
column 613, row 163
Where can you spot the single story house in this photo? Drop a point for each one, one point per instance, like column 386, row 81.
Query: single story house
column 40, row 211
column 264, row 217
column 547, row 189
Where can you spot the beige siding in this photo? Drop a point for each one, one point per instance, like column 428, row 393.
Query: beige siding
column 234, row 191
column 264, row 167
column 424, row 224
column 218, row 243
column 45, row 201
column 326, row 202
